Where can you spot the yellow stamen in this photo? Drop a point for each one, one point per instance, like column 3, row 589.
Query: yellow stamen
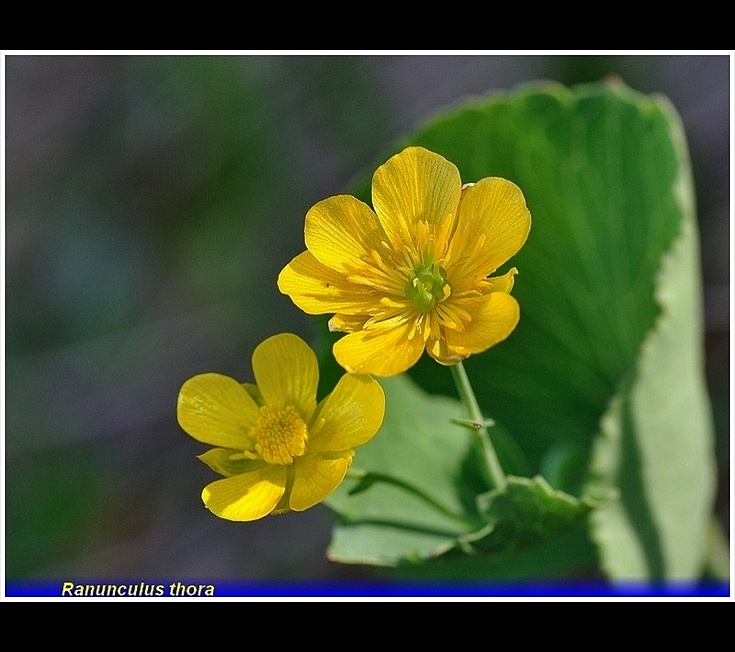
column 280, row 434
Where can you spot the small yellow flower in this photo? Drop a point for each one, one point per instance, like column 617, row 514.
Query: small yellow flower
column 414, row 274
column 278, row 450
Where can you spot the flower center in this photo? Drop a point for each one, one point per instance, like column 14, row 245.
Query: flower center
column 428, row 286
column 280, row 434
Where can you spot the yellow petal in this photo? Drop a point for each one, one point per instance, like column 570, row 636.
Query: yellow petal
column 381, row 351
column 346, row 323
column 246, row 497
column 492, row 226
column 412, row 186
column 503, row 283
column 287, row 373
column 315, row 479
column 340, row 231
column 317, row 289
column 439, row 350
column 494, row 317
column 217, row 410
column 227, row 462
column 349, row 416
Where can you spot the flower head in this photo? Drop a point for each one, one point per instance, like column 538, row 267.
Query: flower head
column 277, row 449
column 414, row 274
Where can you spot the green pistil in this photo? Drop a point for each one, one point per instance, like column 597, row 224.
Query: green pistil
column 427, row 286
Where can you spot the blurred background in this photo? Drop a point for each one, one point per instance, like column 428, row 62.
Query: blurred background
column 150, row 202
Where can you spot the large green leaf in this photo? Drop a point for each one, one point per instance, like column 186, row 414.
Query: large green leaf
column 655, row 447
column 600, row 386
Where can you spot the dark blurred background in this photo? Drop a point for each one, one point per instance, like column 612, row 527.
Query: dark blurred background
column 151, row 202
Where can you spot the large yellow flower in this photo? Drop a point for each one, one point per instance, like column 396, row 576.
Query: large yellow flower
column 278, row 450
column 415, row 273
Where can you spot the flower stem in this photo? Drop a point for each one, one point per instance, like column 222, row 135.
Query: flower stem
column 467, row 396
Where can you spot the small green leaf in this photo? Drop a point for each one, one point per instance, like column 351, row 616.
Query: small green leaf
column 526, row 512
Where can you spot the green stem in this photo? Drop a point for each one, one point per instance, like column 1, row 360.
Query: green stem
column 357, row 474
column 467, row 396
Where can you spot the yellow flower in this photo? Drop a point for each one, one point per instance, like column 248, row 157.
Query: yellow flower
column 278, row 450
column 414, row 274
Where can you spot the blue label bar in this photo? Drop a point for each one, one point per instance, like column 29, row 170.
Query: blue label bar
column 202, row 589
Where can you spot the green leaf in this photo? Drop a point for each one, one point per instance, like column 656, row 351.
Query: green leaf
column 604, row 371
column 601, row 385
column 656, row 446
column 525, row 512
column 418, row 495
column 386, row 523
column 569, row 554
